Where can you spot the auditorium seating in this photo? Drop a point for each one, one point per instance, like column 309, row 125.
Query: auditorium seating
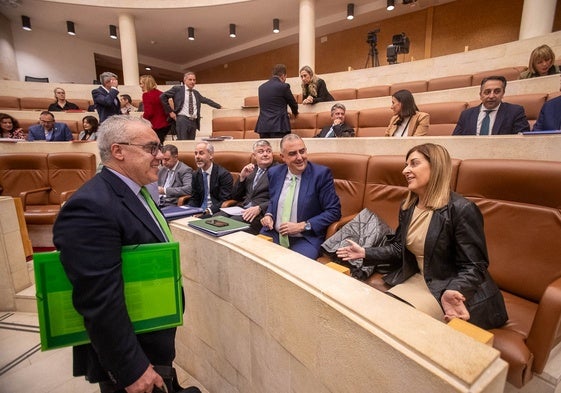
column 373, row 122
column 413, row 87
column 44, row 181
column 443, row 116
column 228, row 126
column 9, row 102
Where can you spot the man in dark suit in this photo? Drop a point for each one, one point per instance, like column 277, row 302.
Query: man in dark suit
column 49, row 130
column 186, row 111
column 109, row 212
column 251, row 190
column 174, row 177
column 492, row 116
column 550, row 116
column 274, row 96
column 300, row 224
column 106, row 96
column 218, row 187
column 338, row 128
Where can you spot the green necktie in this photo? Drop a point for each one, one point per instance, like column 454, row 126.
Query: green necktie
column 161, row 220
column 286, row 209
column 485, row 123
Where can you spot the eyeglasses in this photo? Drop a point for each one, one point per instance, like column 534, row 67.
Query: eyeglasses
column 152, row 148
column 46, row 121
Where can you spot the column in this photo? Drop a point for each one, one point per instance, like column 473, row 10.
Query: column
column 307, row 42
column 537, row 18
column 129, row 53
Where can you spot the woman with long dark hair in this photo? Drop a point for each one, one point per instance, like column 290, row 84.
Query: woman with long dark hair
column 10, row 127
column 90, row 124
column 406, row 119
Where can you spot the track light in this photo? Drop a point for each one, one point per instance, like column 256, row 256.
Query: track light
column 148, row 68
column 191, row 33
column 276, row 26
column 391, row 5
column 25, row 23
column 232, row 30
column 70, row 28
column 350, row 11
column 113, row 31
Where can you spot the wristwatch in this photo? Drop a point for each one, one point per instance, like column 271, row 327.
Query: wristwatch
column 308, row 226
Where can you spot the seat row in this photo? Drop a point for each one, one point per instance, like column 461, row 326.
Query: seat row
column 520, row 206
column 373, row 122
column 41, row 103
column 443, row 83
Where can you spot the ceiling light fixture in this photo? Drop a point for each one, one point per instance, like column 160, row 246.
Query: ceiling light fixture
column 148, row 68
column 276, row 26
column 25, row 23
column 391, row 5
column 350, row 11
column 232, row 30
column 191, row 33
column 113, row 31
column 70, row 28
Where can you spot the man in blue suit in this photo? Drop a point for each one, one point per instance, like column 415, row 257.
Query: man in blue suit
column 492, row 116
column 110, row 211
column 300, row 225
column 550, row 116
column 106, row 96
column 49, row 130
column 274, row 96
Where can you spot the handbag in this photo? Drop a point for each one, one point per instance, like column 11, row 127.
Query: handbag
column 366, row 229
column 169, row 376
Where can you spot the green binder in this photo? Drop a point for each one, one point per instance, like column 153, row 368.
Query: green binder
column 153, row 294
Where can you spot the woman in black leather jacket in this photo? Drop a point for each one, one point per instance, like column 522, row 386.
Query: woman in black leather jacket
column 438, row 255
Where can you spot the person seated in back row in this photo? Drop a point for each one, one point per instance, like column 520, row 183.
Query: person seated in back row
column 492, row 116
column 127, row 107
column 174, row 177
column 406, row 119
column 61, row 104
column 314, row 89
column 49, row 130
column 550, row 116
column 338, row 127
column 541, row 63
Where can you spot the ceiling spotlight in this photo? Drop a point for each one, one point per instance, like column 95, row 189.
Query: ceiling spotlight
column 113, row 31
column 25, row 23
column 350, row 11
column 276, row 26
column 148, row 68
column 70, row 28
column 232, row 30
column 191, row 33
column 391, row 5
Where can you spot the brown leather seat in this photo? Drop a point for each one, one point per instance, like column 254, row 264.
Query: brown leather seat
column 443, row 116
column 228, row 126
column 304, row 125
column 343, row 94
column 373, row 91
column 249, row 133
column 449, row 82
column 373, row 122
column 9, row 102
column 413, row 86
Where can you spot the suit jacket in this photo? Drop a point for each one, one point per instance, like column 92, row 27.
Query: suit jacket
column 106, row 103
column 177, row 93
column 322, row 93
column 220, row 189
column 455, row 258
column 418, row 124
column 258, row 195
column 511, row 119
column 550, row 116
column 101, row 217
column 274, row 96
column 181, row 184
column 61, row 132
column 341, row 131
column 317, row 201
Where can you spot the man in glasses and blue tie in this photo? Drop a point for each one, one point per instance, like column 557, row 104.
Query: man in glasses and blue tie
column 112, row 210
column 493, row 116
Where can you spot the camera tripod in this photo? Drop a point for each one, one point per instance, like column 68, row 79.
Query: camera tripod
column 373, row 56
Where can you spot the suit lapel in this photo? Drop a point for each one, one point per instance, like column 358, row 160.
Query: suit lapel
column 433, row 233
column 499, row 119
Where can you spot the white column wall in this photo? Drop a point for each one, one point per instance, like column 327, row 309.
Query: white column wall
column 129, row 53
column 307, row 41
column 537, row 18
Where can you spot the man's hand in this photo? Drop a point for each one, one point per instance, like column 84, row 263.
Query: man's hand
column 291, row 228
column 267, row 222
column 161, row 190
column 246, row 171
column 146, row 382
column 172, row 115
column 336, row 122
column 250, row 213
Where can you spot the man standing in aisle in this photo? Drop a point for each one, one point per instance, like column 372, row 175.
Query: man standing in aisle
column 274, row 96
column 186, row 110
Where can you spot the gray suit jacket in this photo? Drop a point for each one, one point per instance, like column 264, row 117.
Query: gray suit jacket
column 180, row 186
column 258, row 195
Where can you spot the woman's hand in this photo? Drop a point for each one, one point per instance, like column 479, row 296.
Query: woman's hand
column 453, row 305
column 353, row 251
column 308, row 100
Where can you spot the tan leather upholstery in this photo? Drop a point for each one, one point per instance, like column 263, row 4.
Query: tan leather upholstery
column 343, row 94
column 250, row 123
column 373, row 91
column 449, row 82
column 413, row 86
column 304, row 125
column 228, row 126
column 443, row 116
column 373, row 122
column 9, row 102
column 252, row 101
column 510, row 73
column 34, row 103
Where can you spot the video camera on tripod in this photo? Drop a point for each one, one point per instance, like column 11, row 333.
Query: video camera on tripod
column 400, row 44
column 372, row 40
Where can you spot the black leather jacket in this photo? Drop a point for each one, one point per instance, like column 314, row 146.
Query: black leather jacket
column 455, row 258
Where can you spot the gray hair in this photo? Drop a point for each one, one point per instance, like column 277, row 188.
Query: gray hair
column 171, row 148
column 338, row 106
column 261, row 142
column 289, row 137
column 115, row 130
column 105, row 76
column 209, row 146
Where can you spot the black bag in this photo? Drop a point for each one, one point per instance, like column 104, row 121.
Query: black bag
column 169, row 376
column 367, row 230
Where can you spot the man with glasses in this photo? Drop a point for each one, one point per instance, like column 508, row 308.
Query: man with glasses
column 49, row 130
column 112, row 210
column 174, row 177
column 60, row 103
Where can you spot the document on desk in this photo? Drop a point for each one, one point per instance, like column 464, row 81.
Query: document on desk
column 233, row 210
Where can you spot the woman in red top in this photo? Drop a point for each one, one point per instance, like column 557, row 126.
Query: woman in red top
column 153, row 109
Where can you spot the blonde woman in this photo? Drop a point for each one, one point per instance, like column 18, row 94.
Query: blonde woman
column 541, row 63
column 313, row 88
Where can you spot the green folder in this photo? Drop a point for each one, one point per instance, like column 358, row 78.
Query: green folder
column 219, row 226
column 153, row 294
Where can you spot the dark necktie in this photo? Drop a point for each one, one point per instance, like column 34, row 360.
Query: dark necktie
column 331, row 133
column 190, row 104
column 485, row 123
column 258, row 176
column 205, row 191
column 157, row 214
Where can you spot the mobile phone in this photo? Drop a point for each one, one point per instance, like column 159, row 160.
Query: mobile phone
column 216, row 223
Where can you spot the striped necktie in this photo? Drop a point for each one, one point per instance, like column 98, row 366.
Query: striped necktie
column 157, row 214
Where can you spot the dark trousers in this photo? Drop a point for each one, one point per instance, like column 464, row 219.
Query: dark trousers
column 186, row 128
column 162, row 133
column 272, row 135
